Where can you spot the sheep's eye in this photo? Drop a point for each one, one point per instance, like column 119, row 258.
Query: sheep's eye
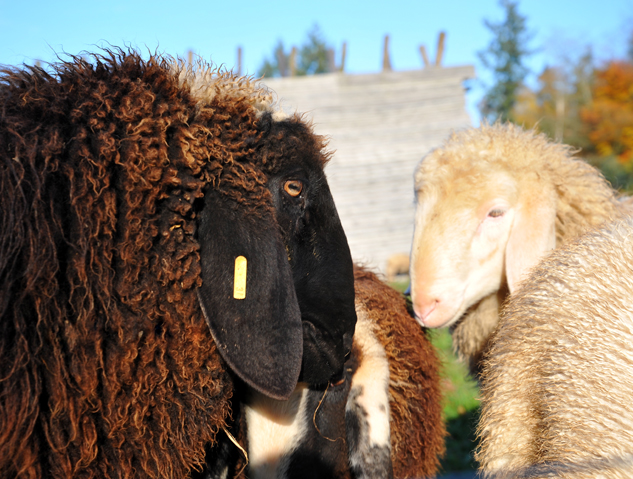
column 496, row 213
column 293, row 187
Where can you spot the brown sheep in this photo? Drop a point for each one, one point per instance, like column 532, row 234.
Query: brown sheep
column 128, row 191
column 415, row 400
column 558, row 381
column 491, row 202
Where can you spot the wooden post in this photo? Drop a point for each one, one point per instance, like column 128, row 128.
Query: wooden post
column 425, row 58
column 386, row 61
column 343, row 53
column 293, row 61
column 560, row 115
column 440, row 49
column 331, row 62
column 239, row 61
column 190, row 57
column 281, row 63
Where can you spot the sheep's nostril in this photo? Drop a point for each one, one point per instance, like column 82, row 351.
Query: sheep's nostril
column 423, row 309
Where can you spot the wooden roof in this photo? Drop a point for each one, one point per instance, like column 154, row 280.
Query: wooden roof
column 380, row 125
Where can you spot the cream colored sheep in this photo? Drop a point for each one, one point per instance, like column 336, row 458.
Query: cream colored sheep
column 397, row 264
column 557, row 384
column 491, row 202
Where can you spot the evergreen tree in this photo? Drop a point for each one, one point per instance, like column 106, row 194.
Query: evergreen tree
column 278, row 66
column 313, row 57
column 505, row 56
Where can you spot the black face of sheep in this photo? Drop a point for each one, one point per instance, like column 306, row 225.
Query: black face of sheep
column 297, row 317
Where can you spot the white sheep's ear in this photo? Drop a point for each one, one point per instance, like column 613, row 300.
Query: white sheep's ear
column 532, row 235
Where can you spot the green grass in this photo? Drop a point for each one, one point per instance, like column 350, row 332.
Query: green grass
column 461, row 406
column 460, row 389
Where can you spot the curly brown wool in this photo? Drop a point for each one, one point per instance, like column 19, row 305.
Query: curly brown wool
column 108, row 366
column 417, row 427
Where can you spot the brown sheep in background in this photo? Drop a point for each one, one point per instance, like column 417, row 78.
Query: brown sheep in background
column 557, row 384
column 491, row 202
column 417, row 428
column 397, row 264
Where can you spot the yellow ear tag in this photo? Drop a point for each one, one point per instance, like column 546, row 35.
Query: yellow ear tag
column 239, row 281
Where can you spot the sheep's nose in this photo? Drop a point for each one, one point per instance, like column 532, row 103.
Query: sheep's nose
column 423, row 308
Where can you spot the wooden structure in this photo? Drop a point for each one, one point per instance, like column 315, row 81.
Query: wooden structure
column 380, row 125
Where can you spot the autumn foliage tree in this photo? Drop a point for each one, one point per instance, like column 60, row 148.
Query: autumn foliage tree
column 609, row 117
column 554, row 104
column 589, row 107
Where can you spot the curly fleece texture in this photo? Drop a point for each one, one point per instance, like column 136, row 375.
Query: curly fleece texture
column 108, row 366
column 556, row 390
column 417, row 427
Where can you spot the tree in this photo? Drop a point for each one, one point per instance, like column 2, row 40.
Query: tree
column 314, row 56
column 553, row 107
column 279, row 65
column 541, row 107
column 586, row 106
column 505, row 56
column 610, row 115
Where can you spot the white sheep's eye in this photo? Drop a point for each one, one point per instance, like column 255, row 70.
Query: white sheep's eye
column 293, row 187
column 496, row 213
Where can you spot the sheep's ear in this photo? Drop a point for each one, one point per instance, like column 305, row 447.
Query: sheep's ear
column 259, row 336
column 532, row 235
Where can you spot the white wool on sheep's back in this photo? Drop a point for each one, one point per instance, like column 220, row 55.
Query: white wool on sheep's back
column 558, row 382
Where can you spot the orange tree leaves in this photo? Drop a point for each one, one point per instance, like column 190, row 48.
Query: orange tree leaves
column 609, row 116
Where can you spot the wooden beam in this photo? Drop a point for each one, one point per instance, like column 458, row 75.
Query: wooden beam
column 560, row 116
column 386, row 61
column 239, row 61
column 440, row 49
column 343, row 53
column 425, row 58
column 281, row 63
column 293, row 61
column 331, row 61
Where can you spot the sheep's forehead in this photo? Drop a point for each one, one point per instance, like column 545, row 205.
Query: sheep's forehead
column 466, row 184
column 488, row 148
column 463, row 199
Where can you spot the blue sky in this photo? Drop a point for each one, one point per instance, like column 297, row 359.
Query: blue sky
column 36, row 30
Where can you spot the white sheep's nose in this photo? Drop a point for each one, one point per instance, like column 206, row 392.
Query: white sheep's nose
column 423, row 308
